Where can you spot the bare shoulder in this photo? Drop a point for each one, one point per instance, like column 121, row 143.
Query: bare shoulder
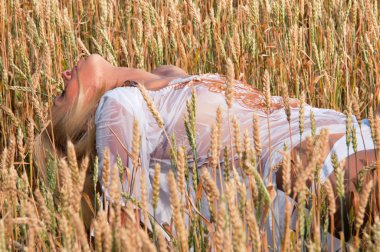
column 169, row 71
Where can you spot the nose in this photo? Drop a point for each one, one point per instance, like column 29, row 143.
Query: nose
column 66, row 75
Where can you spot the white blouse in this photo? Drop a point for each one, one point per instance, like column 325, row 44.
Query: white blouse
column 119, row 108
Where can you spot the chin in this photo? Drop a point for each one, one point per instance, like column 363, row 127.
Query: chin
column 97, row 59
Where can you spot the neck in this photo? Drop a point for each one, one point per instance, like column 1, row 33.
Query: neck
column 116, row 76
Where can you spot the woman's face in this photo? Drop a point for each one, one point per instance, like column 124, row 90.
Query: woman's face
column 87, row 74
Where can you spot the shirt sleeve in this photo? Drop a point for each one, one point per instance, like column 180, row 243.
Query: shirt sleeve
column 114, row 121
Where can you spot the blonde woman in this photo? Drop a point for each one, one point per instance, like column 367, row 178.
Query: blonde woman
column 97, row 110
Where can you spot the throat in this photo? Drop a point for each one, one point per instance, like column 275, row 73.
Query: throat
column 119, row 75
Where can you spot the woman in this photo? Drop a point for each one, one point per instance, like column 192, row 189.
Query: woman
column 98, row 105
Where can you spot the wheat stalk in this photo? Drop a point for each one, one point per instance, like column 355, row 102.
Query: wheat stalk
column 181, row 171
column 220, row 224
column 229, row 93
column 364, row 197
column 253, row 228
column 256, row 136
column 79, row 227
column 144, row 198
column 156, row 185
column 237, row 136
column 177, row 213
column 238, row 238
column 42, row 207
column 136, row 140
column 150, row 105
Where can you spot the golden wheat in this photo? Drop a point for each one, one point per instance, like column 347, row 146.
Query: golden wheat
column 327, row 52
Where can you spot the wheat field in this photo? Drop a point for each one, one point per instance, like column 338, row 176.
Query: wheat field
column 325, row 53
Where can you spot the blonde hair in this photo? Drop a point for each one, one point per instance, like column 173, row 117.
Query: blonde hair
column 76, row 124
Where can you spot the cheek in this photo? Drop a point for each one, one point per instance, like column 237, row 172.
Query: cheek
column 72, row 90
column 71, row 93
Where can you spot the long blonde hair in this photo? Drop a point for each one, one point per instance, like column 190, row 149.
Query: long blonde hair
column 76, row 124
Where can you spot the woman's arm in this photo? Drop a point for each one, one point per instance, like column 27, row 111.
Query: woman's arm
column 157, row 79
column 169, row 71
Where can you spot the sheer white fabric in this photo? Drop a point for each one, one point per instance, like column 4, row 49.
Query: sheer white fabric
column 118, row 109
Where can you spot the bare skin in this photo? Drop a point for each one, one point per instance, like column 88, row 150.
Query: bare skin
column 95, row 73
